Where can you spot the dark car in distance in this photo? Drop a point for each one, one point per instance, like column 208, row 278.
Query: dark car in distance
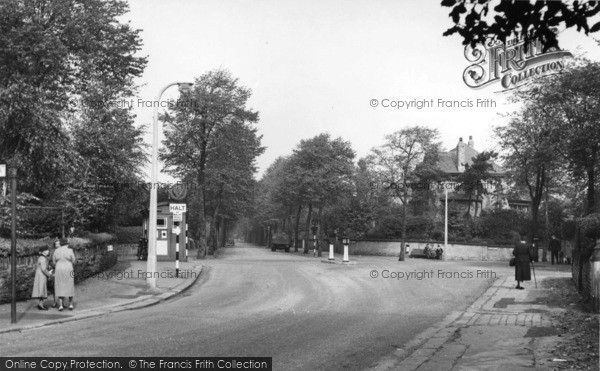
column 280, row 241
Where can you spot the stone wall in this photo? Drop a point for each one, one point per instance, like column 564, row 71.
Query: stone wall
column 581, row 268
column 90, row 260
column 454, row 251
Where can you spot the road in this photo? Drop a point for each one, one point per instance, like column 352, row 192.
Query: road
column 253, row 302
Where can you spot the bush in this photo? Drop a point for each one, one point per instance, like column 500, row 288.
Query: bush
column 590, row 226
column 25, row 247
column 100, row 238
column 126, row 235
column 569, row 229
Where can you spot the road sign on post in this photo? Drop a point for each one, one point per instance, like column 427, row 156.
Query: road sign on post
column 177, row 217
column 177, row 208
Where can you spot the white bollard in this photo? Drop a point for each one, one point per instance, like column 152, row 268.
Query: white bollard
column 595, row 276
column 331, row 252
column 346, row 259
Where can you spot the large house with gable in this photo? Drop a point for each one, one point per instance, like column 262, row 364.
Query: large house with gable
column 454, row 162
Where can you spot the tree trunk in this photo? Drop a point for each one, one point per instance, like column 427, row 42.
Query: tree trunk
column 297, row 227
column 202, row 246
column 591, row 202
column 403, row 238
column 307, row 227
column 320, row 238
column 545, row 246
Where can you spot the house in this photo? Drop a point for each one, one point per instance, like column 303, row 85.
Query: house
column 454, row 162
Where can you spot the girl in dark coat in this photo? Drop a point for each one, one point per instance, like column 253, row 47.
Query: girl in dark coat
column 522, row 259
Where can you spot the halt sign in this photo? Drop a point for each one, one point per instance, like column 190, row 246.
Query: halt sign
column 177, row 208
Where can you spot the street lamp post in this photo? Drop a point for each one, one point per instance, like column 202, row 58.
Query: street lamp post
column 151, row 262
column 446, row 220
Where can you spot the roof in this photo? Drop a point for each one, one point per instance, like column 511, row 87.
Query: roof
column 448, row 161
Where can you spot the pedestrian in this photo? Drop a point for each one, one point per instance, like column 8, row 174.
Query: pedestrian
column 555, row 249
column 522, row 259
column 42, row 273
column 64, row 281
column 51, row 288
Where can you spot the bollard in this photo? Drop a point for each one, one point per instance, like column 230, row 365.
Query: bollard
column 331, row 252
column 595, row 273
column 346, row 259
column 186, row 241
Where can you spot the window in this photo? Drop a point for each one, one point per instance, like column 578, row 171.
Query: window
column 161, row 223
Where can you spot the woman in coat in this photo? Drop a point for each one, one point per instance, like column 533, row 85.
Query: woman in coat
column 42, row 273
column 51, row 266
column 64, row 279
column 522, row 259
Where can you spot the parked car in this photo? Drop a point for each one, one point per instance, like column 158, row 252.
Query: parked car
column 280, row 241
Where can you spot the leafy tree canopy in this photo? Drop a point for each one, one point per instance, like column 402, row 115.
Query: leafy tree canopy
column 477, row 20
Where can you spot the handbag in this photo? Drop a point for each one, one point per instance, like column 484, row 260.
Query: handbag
column 512, row 262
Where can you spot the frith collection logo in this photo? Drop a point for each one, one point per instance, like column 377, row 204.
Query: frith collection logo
column 509, row 63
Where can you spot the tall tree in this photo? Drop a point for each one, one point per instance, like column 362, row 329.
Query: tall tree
column 474, row 176
column 322, row 170
column 230, row 169
column 573, row 99
column 50, row 52
column 398, row 159
column 217, row 100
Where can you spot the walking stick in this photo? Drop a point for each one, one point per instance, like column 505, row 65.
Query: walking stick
column 533, row 269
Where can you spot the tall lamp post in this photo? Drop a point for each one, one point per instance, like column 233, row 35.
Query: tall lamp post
column 152, row 232
column 446, row 220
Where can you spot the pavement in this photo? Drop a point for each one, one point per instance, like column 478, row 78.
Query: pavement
column 122, row 287
column 504, row 329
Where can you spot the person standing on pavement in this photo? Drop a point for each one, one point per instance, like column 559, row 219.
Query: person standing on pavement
column 522, row 259
column 64, row 281
column 554, row 249
column 50, row 285
column 42, row 273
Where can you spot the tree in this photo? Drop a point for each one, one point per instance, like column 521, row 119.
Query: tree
column 111, row 153
column 50, row 53
column 573, row 100
column 216, row 101
column 322, row 169
column 475, row 23
column 230, row 168
column 474, row 175
column 398, row 159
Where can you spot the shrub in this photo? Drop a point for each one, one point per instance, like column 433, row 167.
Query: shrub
column 100, row 238
column 590, row 225
column 25, row 247
column 127, row 235
column 569, row 229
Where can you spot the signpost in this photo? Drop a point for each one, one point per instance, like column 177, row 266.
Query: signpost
column 12, row 173
column 177, row 210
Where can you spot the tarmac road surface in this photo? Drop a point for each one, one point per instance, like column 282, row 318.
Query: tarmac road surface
column 253, row 302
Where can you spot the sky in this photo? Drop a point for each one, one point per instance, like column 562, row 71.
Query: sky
column 319, row 66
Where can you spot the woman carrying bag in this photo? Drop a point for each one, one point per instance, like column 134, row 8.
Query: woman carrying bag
column 522, row 262
column 64, row 282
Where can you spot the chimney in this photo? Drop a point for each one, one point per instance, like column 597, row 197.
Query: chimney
column 471, row 143
column 460, row 155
